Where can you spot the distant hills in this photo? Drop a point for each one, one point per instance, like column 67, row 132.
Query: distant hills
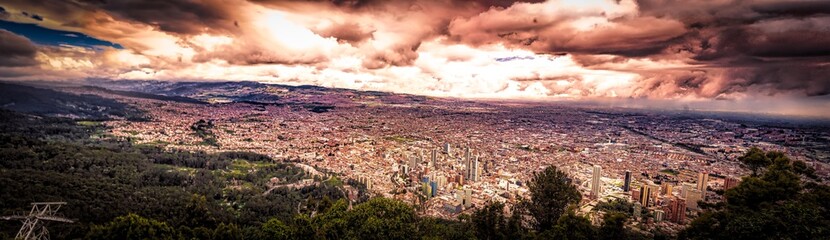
column 255, row 92
column 48, row 102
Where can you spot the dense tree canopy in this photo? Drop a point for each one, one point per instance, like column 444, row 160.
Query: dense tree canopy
column 779, row 201
column 133, row 227
column 551, row 192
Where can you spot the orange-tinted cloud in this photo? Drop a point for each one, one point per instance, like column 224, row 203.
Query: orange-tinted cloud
column 723, row 49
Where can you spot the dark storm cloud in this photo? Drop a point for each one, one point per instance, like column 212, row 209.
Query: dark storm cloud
column 793, row 8
column 16, row 51
column 811, row 80
column 747, row 47
column 359, row 4
column 176, row 16
column 752, row 28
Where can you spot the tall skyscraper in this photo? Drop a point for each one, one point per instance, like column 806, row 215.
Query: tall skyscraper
column 476, row 170
column 702, row 181
column 473, row 170
column 447, row 149
column 627, row 181
column 434, row 157
column 472, row 167
column 596, row 182
column 467, row 154
column 644, row 195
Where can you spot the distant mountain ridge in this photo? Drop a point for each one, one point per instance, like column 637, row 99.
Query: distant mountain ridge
column 49, row 102
column 253, row 92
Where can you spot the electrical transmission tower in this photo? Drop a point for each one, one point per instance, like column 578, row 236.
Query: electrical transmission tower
column 34, row 224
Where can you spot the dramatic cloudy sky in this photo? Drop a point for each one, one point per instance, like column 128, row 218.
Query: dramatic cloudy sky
column 632, row 49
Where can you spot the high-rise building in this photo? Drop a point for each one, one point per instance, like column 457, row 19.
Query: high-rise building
column 472, row 167
column 413, row 163
column 730, row 182
column 648, row 194
column 644, row 196
column 467, row 154
column 692, row 198
column 687, row 187
column 638, row 210
column 627, row 181
column 441, row 181
column 677, row 207
column 434, row 158
column 655, row 190
column 635, row 195
column 433, row 188
column 476, row 170
column 468, row 197
column 659, row 215
column 702, row 181
column 666, row 189
column 447, row 149
column 596, row 182
column 365, row 181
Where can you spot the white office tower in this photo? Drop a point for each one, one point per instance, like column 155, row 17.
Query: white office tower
column 702, row 181
column 659, row 215
column 413, row 163
column 441, row 180
column 447, row 149
column 596, row 182
column 476, row 173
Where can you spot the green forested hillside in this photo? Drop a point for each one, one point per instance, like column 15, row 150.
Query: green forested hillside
column 55, row 159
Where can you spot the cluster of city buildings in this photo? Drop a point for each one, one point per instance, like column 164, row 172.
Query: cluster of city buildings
column 667, row 202
column 449, row 157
